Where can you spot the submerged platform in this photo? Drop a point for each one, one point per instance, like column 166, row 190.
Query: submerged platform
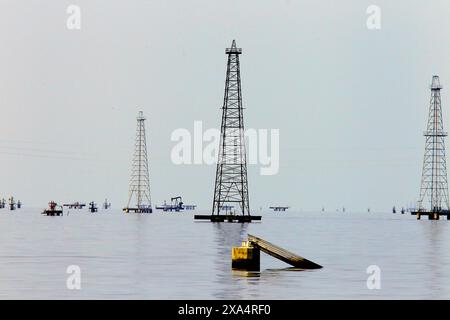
column 138, row 210
column 170, row 208
column 75, row 205
column 49, row 212
column 228, row 218
column 431, row 215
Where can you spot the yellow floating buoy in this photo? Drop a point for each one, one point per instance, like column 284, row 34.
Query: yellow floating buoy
column 246, row 257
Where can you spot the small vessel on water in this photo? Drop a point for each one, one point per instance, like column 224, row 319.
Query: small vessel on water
column 74, row 205
column 139, row 209
column 53, row 209
column 93, row 207
column 279, row 208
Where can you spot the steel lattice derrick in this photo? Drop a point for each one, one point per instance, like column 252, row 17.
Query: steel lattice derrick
column 231, row 185
column 434, row 185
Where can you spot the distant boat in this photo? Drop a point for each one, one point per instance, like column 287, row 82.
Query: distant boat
column 93, row 207
column 279, row 208
column 74, row 205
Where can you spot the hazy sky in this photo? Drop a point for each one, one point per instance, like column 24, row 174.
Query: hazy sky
column 350, row 103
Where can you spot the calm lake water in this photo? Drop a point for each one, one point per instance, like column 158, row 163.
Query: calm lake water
column 169, row 256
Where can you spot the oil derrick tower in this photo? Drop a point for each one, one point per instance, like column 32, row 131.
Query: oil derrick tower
column 231, row 186
column 139, row 199
column 433, row 200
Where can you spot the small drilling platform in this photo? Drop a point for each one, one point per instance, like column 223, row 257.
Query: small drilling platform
column 139, row 190
column 433, row 200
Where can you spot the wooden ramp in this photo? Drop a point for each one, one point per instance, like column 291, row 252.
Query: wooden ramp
column 282, row 254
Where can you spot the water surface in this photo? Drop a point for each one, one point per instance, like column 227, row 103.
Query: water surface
column 169, row 256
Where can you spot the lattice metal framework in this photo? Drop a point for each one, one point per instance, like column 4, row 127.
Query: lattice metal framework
column 434, row 186
column 139, row 191
column 231, row 186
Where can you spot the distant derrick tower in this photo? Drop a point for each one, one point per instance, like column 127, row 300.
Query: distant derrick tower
column 231, row 186
column 139, row 199
column 434, row 186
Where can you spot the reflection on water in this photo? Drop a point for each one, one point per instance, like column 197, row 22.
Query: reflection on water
column 227, row 235
column 434, row 258
column 245, row 274
column 287, row 269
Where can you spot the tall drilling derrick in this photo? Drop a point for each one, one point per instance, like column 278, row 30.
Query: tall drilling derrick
column 433, row 200
column 231, row 186
column 139, row 199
